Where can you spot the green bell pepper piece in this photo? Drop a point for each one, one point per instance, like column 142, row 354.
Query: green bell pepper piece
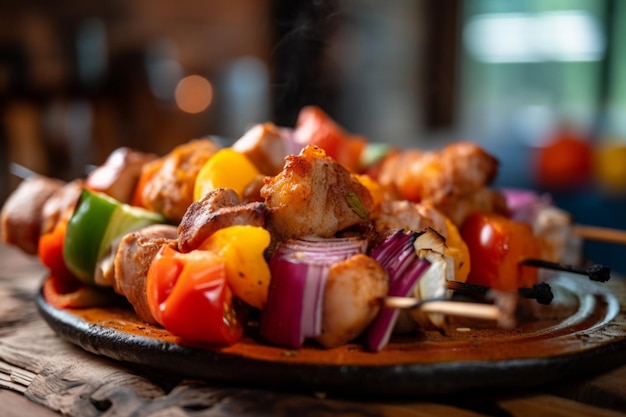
column 98, row 221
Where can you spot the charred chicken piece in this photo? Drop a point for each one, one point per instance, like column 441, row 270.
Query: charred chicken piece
column 119, row 174
column 266, row 145
column 217, row 209
column 132, row 261
column 351, row 299
column 21, row 217
column 314, row 195
column 60, row 205
column 459, row 168
column 403, row 214
column 453, row 179
column 486, row 200
column 170, row 180
column 252, row 192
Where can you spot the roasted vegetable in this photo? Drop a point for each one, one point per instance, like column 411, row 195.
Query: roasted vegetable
column 241, row 249
column 94, row 229
column 226, row 169
column 497, row 247
column 300, row 270
column 189, row 295
column 315, row 127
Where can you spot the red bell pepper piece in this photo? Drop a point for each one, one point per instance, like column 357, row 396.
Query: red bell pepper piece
column 50, row 251
column 188, row 294
column 315, row 127
column 62, row 289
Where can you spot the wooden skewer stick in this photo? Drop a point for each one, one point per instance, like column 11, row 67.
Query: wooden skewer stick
column 452, row 308
column 20, row 171
column 502, row 311
column 604, row 234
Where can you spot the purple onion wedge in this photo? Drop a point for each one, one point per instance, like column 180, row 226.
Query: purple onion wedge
column 398, row 257
column 299, row 270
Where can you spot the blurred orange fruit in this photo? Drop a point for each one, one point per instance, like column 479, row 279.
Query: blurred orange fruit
column 565, row 162
column 610, row 167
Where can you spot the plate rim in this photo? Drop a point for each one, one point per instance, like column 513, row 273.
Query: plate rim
column 387, row 380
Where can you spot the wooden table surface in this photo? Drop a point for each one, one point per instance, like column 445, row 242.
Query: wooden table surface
column 43, row 375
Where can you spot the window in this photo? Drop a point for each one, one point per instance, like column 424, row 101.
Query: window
column 528, row 66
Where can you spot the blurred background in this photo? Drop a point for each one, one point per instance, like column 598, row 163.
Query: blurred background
column 531, row 81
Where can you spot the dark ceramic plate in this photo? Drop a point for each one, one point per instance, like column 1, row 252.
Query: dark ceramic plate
column 582, row 331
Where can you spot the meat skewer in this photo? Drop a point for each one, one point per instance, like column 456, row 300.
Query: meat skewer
column 316, row 195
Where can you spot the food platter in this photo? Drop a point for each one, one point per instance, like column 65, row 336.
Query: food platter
column 582, row 331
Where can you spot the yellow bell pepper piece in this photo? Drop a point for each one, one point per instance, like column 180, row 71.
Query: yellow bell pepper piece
column 376, row 190
column 457, row 250
column 227, row 168
column 241, row 248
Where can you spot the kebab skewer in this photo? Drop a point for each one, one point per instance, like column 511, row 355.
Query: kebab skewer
column 439, row 308
column 194, row 231
column 354, row 206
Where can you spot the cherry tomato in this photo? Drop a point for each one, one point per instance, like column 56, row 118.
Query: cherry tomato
column 188, row 294
column 497, row 245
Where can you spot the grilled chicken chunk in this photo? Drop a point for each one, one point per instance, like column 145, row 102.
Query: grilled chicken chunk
column 60, row 205
column 403, row 214
column 119, row 174
column 459, row 168
column 266, row 145
column 21, row 217
column 314, row 195
column 132, row 261
column 453, row 179
column 351, row 299
column 217, row 209
column 170, row 179
column 458, row 207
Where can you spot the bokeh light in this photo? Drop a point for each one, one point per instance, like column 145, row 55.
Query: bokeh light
column 194, row 94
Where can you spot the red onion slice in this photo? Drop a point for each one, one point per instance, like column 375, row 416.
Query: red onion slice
column 292, row 291
column 398, row 257
column 299, row 269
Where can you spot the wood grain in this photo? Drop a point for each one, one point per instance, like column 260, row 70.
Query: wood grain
column 16, row 405
column 554, row 406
